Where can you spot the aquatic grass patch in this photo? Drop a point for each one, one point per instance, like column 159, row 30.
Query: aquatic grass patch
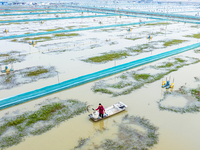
column 38, row 39
column 40, row 121
column 197, row 36
column 14, row 40
column 103, row 91
column 133, row 80
column 11, row 60
column 195, row 26
column 120, row 85
column 37, row 72
column 53, row 29
column 81, row 142
column 64, row 34
column 191, row 106
column 4, row 55
column 138, row 77
column 167, row 65
column 113, row 43
column 141, row 48
column 180, row 60
column 25, row 76
column 11, row 57
column 133, row 39
column 130, row 138
column 197, row 51
column 159, row 23
column 106, row 30
column 94, row 46
column 108, row 57
column 196, row 93
column 173, row 42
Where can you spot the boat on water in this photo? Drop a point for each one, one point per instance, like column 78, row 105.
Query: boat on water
column 109, row 111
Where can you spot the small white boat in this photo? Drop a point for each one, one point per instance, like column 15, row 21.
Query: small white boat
column 109, row 111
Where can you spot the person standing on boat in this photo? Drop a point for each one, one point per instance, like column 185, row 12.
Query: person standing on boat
column 101, row 110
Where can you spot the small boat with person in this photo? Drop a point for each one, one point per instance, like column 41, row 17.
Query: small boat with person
column 109, row 111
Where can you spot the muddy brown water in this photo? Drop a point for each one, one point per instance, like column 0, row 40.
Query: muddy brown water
column 176, row 131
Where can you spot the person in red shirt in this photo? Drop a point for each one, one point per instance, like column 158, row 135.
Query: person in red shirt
column 101, row 110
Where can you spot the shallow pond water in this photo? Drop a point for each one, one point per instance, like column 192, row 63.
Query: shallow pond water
column 176, row 131
column 174, row 101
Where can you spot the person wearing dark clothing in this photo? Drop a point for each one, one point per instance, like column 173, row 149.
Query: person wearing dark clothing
column 101, row 110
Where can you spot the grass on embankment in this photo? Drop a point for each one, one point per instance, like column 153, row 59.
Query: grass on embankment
column 173, row 42
column 107, row 57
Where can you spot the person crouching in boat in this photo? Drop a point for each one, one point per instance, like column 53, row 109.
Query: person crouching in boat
column 101, row 110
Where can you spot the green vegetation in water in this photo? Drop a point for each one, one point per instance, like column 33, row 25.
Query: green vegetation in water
column 81, row 142
column 197, row 36
column 63, row 34
column 140, row 79
column 120, row 85
column 48, row 116
column 159, row 23
column 141, row 48
column 4, row 55
column 167, row 65
column 38, row 38
column 54, row 29
column 11, row 60
column 9, row 78
column 130, row 138
column 173, row 42
column 191, row 106
column 180, row 60
column 196, row 26
column 123, row 76
column 14, row 40
column 106, row 30
column 24, row 76
column 197, row 51
column 196, row 93
column 94, row 46
column 107, row 57
column 36, row 72
column 141, row 76
column 103, row 91
column 133, row 39
column 70, row 27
